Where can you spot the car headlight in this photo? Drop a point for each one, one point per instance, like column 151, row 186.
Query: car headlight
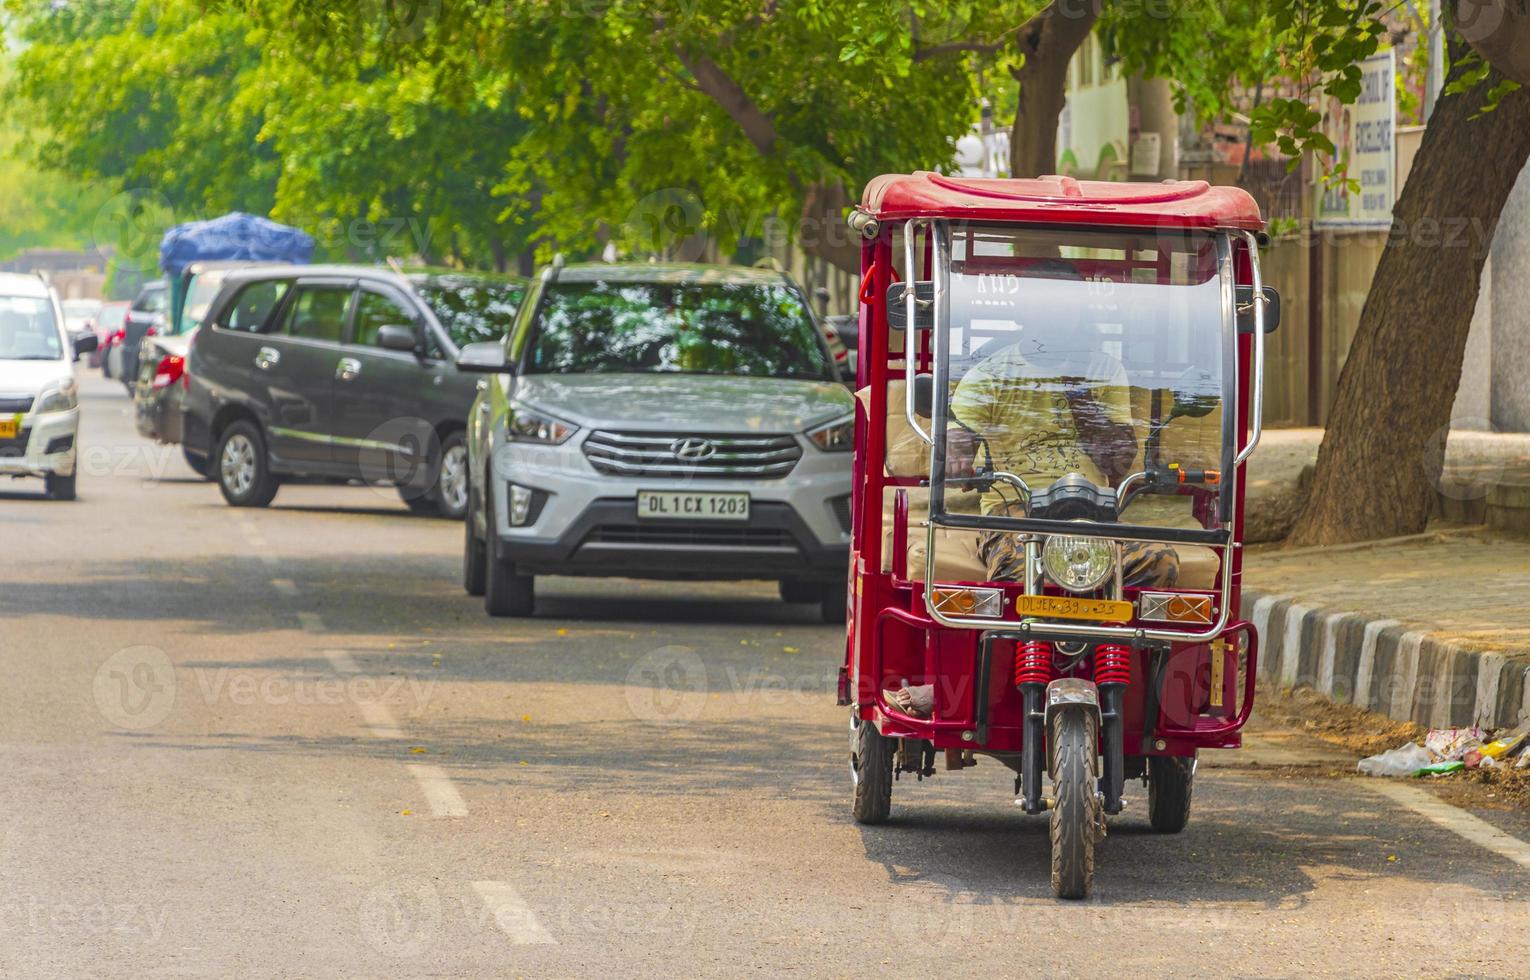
column 529, row 425
column 834, row 437
column 60, row 397
column 1078, row 564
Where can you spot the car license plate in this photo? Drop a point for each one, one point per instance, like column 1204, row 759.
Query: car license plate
column 1068, row 607
column 9, row 427
column 679, row 505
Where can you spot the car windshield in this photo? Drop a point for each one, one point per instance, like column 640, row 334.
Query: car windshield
column 199, row 296
column 1093, row 356
column 153, row 299
column 472, row 310
column 80, row 309
column 729, row 328
column 27, row 330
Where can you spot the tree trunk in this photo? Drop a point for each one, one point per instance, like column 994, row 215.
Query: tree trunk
column 823, row 231
column 1499, row 30
column 1048, row 42
column 1383, row 453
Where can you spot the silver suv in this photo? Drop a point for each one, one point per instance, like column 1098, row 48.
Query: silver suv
column 658, row 421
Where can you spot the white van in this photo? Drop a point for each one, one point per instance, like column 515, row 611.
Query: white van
column 39, row 399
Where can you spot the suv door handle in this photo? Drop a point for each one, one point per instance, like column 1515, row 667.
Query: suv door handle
column 267, row 358
column 347, row 369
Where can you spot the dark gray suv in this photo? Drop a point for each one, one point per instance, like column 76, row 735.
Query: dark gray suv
column 342, row 373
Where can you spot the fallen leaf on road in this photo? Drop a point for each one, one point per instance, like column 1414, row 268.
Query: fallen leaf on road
column 405, row 813
column 791, row 650
column 418, row 749
column 563, row 632
column 525, row 717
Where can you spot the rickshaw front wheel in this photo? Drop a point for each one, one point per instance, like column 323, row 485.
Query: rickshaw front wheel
column 1171, row 779
column 871, row 772
column 1077, row 818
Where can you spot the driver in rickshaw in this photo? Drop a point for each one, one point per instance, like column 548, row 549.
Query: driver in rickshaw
column 1050, row 404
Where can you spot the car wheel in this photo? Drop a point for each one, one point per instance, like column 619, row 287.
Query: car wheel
column 197, row 463
column 506, row 591
column 450, row 491
column 243, row 468
column 797, row 590
column 831, row 602
column 59, row 487
column 475, row 560
column 418, row 503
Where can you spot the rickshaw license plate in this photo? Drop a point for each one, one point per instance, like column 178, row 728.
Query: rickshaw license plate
column 9, row 427
column 1068, row 607
column 679, row 505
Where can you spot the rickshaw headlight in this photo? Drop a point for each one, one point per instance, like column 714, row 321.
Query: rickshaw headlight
column 1078, row 564
column 834, row 437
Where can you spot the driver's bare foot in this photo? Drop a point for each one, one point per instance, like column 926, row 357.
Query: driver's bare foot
column 918, row 701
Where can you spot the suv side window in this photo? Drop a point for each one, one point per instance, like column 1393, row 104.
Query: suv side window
column 250, row 310
column 374, row 311
column 317, row 312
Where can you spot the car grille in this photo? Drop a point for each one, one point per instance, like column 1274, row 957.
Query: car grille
column 692, row 536
column 727, row 457
column 10, row 406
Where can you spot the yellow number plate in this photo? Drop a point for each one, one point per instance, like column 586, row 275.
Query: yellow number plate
column 1067, row 607
column 9, row 427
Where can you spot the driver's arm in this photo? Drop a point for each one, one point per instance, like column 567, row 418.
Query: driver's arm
column 1103, row 412
column 972, row 407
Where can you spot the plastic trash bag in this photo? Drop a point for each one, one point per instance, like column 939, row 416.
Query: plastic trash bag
column 1450, row 744
column 1402, row 761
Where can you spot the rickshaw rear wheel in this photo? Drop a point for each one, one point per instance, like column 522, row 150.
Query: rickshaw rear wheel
column 1076, row 816
column 871, row 772
column 1171, row 780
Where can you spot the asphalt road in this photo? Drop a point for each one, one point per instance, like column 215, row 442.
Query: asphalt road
column 286, row 743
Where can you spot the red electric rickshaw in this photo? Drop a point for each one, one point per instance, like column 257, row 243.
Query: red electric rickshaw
column 1058, row 386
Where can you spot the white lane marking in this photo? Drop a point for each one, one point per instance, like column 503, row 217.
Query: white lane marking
column 285, row 586
column 380, row 720
column 342, row 661
column 439, row 792
column 1457, row 821
column 310, row 621
column 511, row 913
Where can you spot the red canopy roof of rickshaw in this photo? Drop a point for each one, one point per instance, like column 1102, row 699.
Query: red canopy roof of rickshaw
column 1063, row 200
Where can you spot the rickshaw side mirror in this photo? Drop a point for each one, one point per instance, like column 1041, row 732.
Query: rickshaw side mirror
column 1245, row 306
column 924, row 396
column 924, row 309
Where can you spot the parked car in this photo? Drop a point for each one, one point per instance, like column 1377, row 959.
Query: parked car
column 146, row 316
column 39, row 398
column 80, row 316
column 109, row 323
column 160, row 388
column 340, row 372
column 658, row 421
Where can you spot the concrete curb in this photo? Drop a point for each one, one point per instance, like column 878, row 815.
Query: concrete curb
column 1378, row 665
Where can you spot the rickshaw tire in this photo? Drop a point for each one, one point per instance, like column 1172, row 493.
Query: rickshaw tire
column 872, row 760
column 1171, row 781
column 1076, row 816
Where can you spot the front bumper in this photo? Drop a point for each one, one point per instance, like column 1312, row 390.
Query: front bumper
column 585, row 523
column 45, row 446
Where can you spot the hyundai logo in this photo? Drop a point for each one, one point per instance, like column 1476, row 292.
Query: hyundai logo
column 692, row 450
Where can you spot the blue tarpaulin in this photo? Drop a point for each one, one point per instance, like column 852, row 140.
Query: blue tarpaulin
column 234, row 236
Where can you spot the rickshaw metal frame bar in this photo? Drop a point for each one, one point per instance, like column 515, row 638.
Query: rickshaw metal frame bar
column 1256, row 390
column 911, row 330
column 940, row 266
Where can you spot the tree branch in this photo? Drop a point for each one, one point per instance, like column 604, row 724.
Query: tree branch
column 978, row 47
column 720, row 87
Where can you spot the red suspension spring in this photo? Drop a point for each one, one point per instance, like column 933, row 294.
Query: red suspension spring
column 1033, row 662
column 1112, row 664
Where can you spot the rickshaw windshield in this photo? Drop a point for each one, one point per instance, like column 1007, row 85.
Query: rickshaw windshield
column 1091, row 363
